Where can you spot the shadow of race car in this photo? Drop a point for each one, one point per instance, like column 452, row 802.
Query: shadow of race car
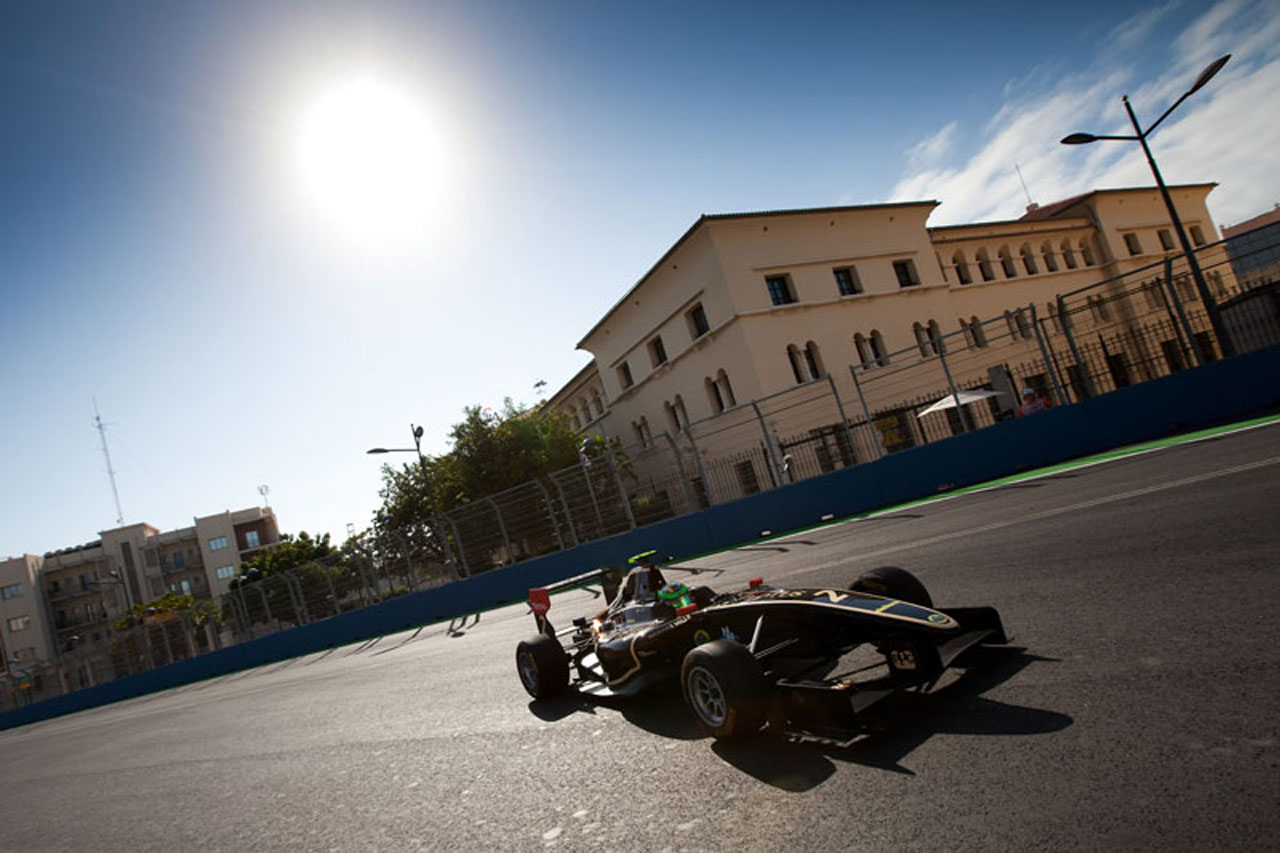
column 786, row 659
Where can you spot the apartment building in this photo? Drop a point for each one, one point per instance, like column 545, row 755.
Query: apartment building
column 24, row 638
column 746, row 305
column 69, row 598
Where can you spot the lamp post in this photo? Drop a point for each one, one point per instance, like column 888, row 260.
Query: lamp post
column 438, row 527
column 1140, row 136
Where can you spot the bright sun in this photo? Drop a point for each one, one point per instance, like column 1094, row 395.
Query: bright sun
column 370, row 163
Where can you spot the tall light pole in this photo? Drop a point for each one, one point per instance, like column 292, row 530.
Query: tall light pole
column 1211, row 307
column 436, row 524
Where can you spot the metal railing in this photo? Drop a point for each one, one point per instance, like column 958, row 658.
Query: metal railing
column 1145, row 324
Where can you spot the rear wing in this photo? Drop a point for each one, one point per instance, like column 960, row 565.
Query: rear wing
column 609, row 578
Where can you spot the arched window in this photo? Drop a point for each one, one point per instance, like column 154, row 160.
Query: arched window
column 1023, row 322
column 962, row 267
column 596, row 403
column 645, row 435
column 682, row 416
column 936, row 343
column 878, row 348
column 1050, row 261
column 1053, row 316
column 1011, row 325
column 968, row 334
column 813, row 360
column 673, row 421
column 726, row 390
column 922, row 339
column 984, row 266
column 793, row 356
column 1068, row 255
column 1086, row 253
column 1028, row 259
column 713, row 395
column 979, row 333
column 864, row 350
column 1006, row 263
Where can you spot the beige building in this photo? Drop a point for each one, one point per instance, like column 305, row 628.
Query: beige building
column 60, row 605
column 744, row 306
column 24, row 634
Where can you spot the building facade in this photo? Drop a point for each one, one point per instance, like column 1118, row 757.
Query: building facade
column 65, row 600
column 745, row 306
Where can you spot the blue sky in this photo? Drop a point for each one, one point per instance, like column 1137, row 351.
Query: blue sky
column 161, row 253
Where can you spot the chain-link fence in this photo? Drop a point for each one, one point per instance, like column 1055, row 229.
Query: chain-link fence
column 1137, row 327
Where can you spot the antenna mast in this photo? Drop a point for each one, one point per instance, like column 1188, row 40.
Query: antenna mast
column 1031, row 205
column 111, row 474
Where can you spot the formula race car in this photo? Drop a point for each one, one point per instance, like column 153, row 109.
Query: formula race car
column 756, row 656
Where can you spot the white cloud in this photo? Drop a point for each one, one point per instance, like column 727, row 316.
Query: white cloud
column 1135, row 29
column 1225, row 133
column 935, row 149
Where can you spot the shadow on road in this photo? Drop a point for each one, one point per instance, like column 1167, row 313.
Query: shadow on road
column 661, row 712
column 901, row 724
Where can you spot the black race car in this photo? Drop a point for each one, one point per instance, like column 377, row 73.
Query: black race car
column 757, row 655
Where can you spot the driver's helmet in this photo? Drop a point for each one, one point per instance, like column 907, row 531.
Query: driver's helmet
column 676, row 594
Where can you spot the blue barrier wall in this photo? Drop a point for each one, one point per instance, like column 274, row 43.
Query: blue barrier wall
column 1210, row 394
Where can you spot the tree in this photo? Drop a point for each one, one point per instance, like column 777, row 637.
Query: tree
column 298, row 579
column 491, row 451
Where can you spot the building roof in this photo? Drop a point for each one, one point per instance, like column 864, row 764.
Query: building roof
column 1271, row 216
column 1057, row 208
column 718, row 217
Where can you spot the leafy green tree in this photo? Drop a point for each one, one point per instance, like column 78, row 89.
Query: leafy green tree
column 298, row 579
column 491, row 451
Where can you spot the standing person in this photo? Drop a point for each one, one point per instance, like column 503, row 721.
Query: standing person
column 1031, row 403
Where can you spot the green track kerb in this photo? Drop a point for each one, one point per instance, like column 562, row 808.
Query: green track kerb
column 1020, row 477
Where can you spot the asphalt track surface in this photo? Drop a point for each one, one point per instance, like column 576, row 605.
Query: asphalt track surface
column 1137, row 708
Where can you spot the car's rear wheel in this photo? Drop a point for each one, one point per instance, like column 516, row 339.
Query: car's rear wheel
column 893, row 582
column 725, row 688
column 543, row 666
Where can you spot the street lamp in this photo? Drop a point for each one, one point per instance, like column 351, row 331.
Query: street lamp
column 1140, row 136
column 431, row 492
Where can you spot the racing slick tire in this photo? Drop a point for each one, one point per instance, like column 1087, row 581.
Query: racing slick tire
column 543, row 666
column 893, row 582
column 725, row 688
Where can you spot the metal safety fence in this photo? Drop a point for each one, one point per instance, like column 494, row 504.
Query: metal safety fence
column 1145, row 324
column 1137, row 327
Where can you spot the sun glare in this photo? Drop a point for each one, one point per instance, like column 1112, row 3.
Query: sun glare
column 370, row 163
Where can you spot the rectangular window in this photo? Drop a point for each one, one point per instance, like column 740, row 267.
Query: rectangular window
column 1173, row 356
column 747, row 479
column 251, row 539
column 780, row 291
column 1197, row 236
column 19, row 623
column 14, row 590
column 1166, row 239
column 657, row 352
column 624, row 375
column 847, row 281
column 217, row 543
column 698, row 325
column 906, row 273
column 225, row 572
column 1133, row 244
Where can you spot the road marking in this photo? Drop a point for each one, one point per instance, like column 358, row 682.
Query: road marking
column 1063, row 510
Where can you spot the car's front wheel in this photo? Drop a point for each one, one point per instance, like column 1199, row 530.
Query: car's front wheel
column 543, row 666
column 893, row 582
column 725, row 688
